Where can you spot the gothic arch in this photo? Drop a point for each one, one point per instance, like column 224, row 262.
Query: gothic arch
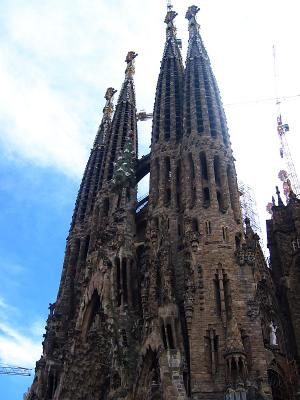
column 277, row 382
column 148, row 386
column 93, row 311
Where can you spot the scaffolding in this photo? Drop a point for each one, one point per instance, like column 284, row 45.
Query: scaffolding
column 249, row 207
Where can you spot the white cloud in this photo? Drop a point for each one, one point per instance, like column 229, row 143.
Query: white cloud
column 18, row 349
column 19, row 346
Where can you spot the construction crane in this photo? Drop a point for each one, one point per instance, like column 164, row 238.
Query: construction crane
column 143, row 115
column 13, row 370
column 169, row 5
column 289, row 177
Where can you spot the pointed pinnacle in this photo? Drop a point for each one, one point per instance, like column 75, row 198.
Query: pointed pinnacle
column 191, row 12
column 280, row 202
column 130, row 70
column 109, row 107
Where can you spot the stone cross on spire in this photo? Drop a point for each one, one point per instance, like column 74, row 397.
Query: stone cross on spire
column 130, row 70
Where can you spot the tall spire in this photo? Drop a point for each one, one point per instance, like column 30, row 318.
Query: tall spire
column 124, row 120
column 91, row 180
column 167, row 118
column 201, row 89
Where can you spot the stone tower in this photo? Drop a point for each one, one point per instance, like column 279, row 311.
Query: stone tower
column 162, row 299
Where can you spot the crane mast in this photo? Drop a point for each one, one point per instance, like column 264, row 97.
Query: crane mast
column 289, row 177
column 13, row 370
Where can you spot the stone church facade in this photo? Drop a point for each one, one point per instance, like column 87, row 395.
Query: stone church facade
column 170, row 297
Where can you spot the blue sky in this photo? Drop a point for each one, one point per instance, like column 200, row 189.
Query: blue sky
column 57, row 59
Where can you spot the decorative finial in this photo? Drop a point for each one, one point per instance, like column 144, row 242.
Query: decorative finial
column 109, row 108
column 193, row 24
column 191, row 12
column 247, row 221
column 280, row 202
column 171, row 15
column 130, row 70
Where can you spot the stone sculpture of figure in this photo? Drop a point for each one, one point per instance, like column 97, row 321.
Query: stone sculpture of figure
column 273, row 335
column 51, row 309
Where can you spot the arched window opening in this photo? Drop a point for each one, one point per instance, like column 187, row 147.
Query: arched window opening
column 217, row 294
column 170, row 337
column 227, row 296
column 118, row 281
column 124, row 281
column 163, row 334
column 208, row 228
column 179, row 230
column 192, row 179
column 204, row 170
column 231, row 187
column 237, row 241
column 105, row 207
column 168, row 177
column 279, row 390
column 93, row 311
column 220, row 200
column 225, row 233
column 217, row 170
column 167, row 170
column 206, row 197
column 195, row 225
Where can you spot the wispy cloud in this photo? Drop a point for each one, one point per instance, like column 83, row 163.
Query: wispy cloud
column 16, row 347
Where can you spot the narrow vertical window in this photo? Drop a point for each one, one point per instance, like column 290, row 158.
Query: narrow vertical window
column 192, row 180
column 204, row 170
column 163, row 334
column 195, row 225
column 106, row 207
column 217, row 295
column 178, row 185
column 170, row 337
column 168, row 177
column 206, row 197
column 217, row 170
column 118, row 282
column 124, row 281
column 225, row 233
column 220, row 200
column 208, row 227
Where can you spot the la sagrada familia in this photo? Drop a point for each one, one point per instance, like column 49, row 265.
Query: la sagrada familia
column 171, row 297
